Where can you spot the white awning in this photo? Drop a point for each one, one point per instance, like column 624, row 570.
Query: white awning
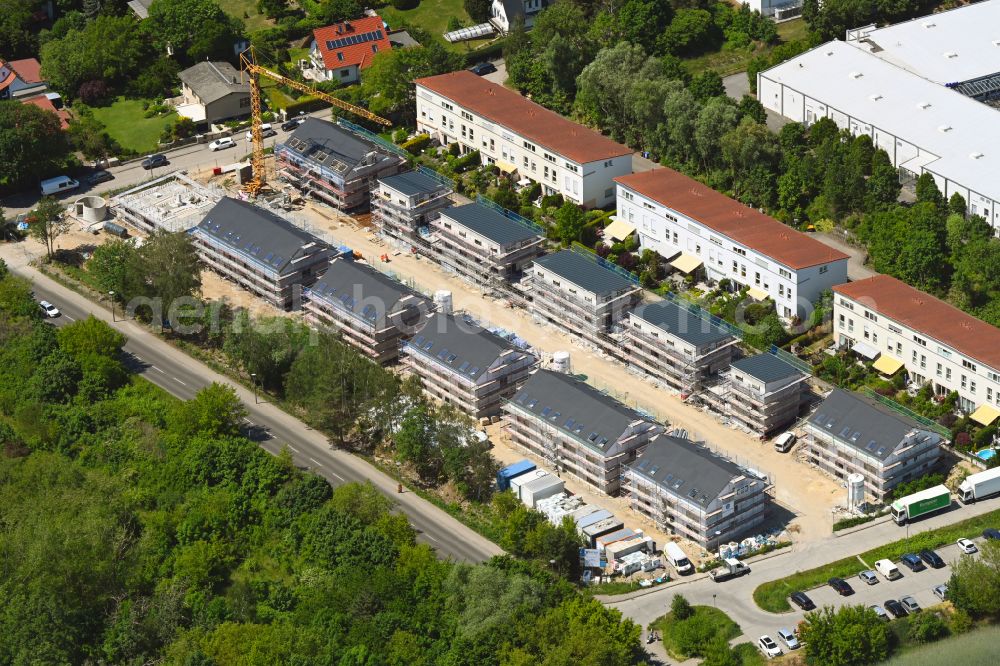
column 758, row 294
column 865, row 349
column 619, row 230
column 686, row 263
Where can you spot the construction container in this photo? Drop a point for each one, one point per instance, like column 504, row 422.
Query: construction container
column 593, row 518
column 527, row 477
column 602, row 542
column 600, row 528
column 510, row 471
column 636, row 544
column 540, row 488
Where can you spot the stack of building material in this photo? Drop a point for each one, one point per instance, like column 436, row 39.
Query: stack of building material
column 541, row 488
column 559, row 506
column 600, row 528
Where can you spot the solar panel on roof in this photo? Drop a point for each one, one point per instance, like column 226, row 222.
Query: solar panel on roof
column 268, row 257
column 855, row 435
column 465, row 366
column 428, row 346
column 871, row 445
column 654, row 469
column 474, row 371
column 419, row 340
column 531, row 403
column 277, row 260
column 880, row 451
column 556, row 416
column 569, row 424
column 452, row 357
column 592, row 437
column 845, row 432
column 545, row 412
column 578, row 429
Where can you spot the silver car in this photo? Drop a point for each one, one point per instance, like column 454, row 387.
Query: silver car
column 868, row 576
column 878, row 610
column 910, row 604
column 789, row 639
column 941, row 591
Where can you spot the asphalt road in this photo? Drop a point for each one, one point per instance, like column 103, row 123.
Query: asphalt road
column 271, row 427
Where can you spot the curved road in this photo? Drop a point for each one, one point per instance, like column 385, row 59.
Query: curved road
column 271, row 427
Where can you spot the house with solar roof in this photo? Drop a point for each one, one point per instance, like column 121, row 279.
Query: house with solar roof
column 486, row 244
column 678, row 347
column 340, row 52
column 404, row 203
column 334, row 164
column 463, row 364
column 582, row 294
column 765, row 393
column 372, row 312
column 261, row 252
column 687, row 489
column 850, row 433
column 577, row 429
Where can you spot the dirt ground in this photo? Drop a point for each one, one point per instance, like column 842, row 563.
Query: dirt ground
column 802, row 490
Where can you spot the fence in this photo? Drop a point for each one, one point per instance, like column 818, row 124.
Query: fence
column 430, row 173
column 909, row 413
column 374, row 138
column 791, row 359
column 584, row 251
column 703, row 314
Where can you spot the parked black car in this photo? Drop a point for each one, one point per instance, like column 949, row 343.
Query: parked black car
column 931, row 558
column 913, row 562
column 289, row 125
column 894, row 607
column 802, row 601
column 156, row 160
column 842, row 587
column 483, row 68
column 100, row 177
column 991, row 534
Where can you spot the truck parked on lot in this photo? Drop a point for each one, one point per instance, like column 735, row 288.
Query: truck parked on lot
column 920, row 504
column 979, row 486
column 731, row 568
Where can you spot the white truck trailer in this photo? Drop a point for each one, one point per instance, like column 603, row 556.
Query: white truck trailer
column 979, row 486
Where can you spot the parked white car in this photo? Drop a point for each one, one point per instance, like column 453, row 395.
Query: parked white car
column 769, row 647
column 265, row 131
column 966, row 546
column 222, row 144
column 49, row 309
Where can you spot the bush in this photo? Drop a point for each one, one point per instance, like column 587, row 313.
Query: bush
column 466, row 162
column 304, row 104
column 844, row 523
column 454, row 150
column 927, row 627
column 93, row 92
column 681, row 608
column 416, row 145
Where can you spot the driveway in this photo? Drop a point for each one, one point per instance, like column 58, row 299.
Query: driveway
column 738, row 85
column 857, row 256
column 499, row 76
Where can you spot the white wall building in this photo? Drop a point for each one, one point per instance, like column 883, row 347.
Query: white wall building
column 680, row 217
column 779, row 10
column 936, row 342
column 518, row 135
column 925, row 127
column 503, row 13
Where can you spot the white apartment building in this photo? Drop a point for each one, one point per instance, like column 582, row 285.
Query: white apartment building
column 902, row 327
column 520, row 136
column 779, row 10
column 700, row 228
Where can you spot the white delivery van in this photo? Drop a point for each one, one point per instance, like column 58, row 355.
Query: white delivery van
column 676, row 557
column 888, row 569
column 58, row 184
column 784, row 442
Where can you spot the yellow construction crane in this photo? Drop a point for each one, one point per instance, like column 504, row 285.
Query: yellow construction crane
column 248, row 62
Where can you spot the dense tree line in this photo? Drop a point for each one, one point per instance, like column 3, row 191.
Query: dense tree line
column 135, row 528
column 831, row 19
column 32, row 143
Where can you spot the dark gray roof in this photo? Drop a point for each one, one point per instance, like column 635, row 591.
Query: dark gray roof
column 686, row 469
column 413, row 182
column 331, row 145
column 576, row 408
column 584, row 272
column 459, row 343
column 490, row 223
column 212, row 81
column 682, row 323
column 257, row 233
column 766, row 367
column 864, row 424
column 362, row 290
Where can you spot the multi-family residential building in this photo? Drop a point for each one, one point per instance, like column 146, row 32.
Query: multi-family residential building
column 371, row 311
column 765, row 393
column 520, row 136
column 885, row 319
column 688, row 490
column 921, row 89
column 677, row 346
column 703, row 229
column 404, row 203
column 461, row 363
column 851, row 433
column 486, row 245
column 334, row 164
column 260, row 251
column 577, row 429
column 339, row 52
column 582, row 294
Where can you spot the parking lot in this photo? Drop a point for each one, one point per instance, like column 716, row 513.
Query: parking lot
column 919, row 584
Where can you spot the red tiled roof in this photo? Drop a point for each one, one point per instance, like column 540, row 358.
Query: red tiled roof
column 524, row 117
column 729, row 217
column 43, row 102
column 928, row 316
column 360, row 54
column 28, row 69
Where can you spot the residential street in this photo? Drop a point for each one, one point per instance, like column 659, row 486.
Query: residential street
column 735, row 597
column 183, row 376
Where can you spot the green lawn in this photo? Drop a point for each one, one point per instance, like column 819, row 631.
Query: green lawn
column 126, row 124
column 666, row 626
column 975, row 647
column 773, row 596
column 237, row 9
column 749, row 654
column 432, row 16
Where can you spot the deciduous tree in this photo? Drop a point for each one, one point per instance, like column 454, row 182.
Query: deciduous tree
column 47, row 223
